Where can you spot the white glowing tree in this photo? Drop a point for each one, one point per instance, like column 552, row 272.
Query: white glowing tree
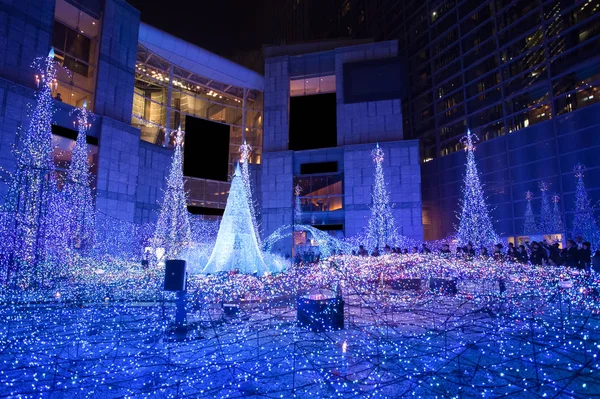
column 245, row 151
column 529, row 225
column 475, row 224
column 584, row 221
column 236, row 246
column 33, row 203
column 545, row 226
column 79, row 203
column 381, row 229
column 297, row 205
column 557, row 220
column 173, row 227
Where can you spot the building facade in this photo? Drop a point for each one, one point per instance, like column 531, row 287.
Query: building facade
column 502, row 68
column 319, row 133
column 141, row 84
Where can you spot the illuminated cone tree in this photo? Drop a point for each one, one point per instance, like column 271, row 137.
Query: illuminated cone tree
column 557, row 220
column 584, row 222
column 79, row 203
column 381, row 230
column 545, row 226
column 236, row 246
column 529, row 225
column 32, row 203
column 475, row 225
column 173, row 227
column 297, row 205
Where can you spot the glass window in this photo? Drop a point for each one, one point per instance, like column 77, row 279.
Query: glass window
column 314, row 85
column 320, row 193
column 62, row 153
column 75, row 40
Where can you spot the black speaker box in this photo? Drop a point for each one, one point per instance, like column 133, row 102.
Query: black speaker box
column 174, row 275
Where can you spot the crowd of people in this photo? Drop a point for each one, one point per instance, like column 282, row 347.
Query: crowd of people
column 576, row 254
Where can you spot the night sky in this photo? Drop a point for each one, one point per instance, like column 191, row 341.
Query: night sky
column 225, row 27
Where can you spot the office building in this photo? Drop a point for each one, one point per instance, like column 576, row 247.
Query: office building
column 141, row 83
column 522, row 75
column 327, row 105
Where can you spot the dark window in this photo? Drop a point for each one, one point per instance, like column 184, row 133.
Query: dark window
column 313, row 122
column 72, row 134
column 206, row 149
column 318, row 167
column 374, row 80
column 202, row 210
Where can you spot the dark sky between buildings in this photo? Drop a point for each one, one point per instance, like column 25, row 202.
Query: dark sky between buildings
column 225, row 27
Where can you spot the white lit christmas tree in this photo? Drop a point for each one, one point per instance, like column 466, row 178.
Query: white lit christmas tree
column 381, row 230
column 173, row 227
column 557, row 220
column 297, row 205
column 33, row 202
column 236, row 246
column 584, row 222
column 245, row 151
column 79, row 203
column 475, row 225
column 545, row 226
column 529, row 225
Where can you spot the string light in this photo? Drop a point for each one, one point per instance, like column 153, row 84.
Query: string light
column 237, row 246
column 173, row 227
column 475, row 225
column 381, row 229
column 546, row 224
column 557, row 221
column 79, row 209
column 529, row 225
column 245, row 151
column 584, row 221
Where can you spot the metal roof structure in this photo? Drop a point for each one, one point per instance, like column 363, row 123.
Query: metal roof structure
column 197, row 65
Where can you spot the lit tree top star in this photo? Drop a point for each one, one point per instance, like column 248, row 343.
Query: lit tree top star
column 528, row 195
column 245, row 151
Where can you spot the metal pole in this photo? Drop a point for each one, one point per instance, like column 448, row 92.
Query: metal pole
column 244, row 117
column 169, row 96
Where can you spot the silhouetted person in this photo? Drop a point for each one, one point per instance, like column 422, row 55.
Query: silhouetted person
column 484, row 252
column 522, row 255
column 538, row 254
column 498, row 255
column 511, row 252
column 469, row 251
column 569, row 254
column 58, row 97
column 425, row 250
column 445, row 250
column 584, row 256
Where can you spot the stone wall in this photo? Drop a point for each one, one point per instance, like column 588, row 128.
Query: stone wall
column 25, row 34
column 154, row 164
column 276, row 184
column 118, row 169
column 276, row 104
column 371, row 121
column 116, row 65
column 403, row 177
